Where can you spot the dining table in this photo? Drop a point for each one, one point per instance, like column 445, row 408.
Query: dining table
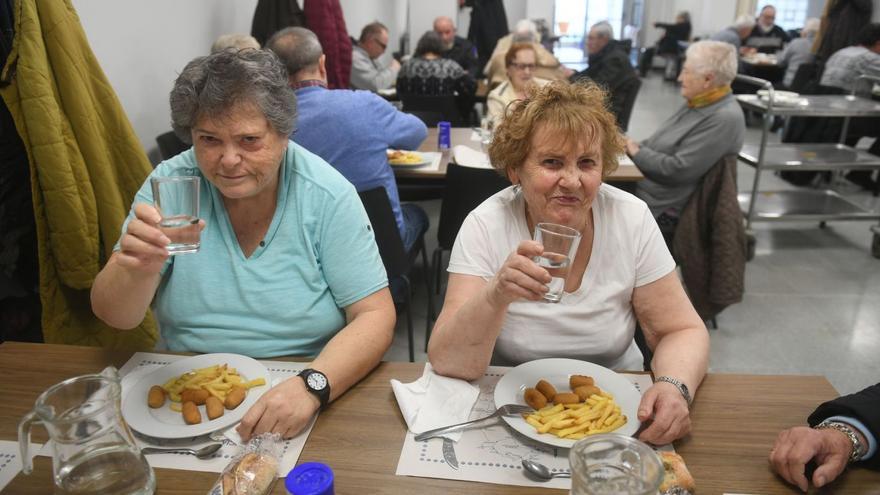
column 626, row 172
column 735, row 420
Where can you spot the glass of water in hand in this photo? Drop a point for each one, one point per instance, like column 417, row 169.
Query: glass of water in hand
column 560, row 246
column 177, row 199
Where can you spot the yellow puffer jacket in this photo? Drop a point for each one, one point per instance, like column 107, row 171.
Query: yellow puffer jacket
column 86, row 165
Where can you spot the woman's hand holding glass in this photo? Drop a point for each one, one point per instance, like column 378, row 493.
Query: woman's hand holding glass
column 142, row 247
column 668, row 413
column 520, row 277
column 285, row 409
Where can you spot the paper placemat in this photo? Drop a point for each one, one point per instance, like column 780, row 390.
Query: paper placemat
column 142, row 363
column 10, row 460
column 491, row 454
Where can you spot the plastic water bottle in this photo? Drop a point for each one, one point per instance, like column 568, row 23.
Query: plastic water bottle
column 444, row 138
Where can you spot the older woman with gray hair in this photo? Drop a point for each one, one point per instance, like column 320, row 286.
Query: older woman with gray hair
column 288, row 264
column 708, row 126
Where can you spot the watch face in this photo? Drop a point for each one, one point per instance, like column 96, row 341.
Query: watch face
column 317, row 381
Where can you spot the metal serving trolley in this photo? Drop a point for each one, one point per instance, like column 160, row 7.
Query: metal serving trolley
column 805, row 204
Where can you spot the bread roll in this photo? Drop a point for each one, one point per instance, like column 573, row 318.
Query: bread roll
column 253, row 474
column 677, row 473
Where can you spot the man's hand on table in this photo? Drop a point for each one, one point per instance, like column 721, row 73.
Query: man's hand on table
column 286, row 409
column 666, row 412
column 795, row 447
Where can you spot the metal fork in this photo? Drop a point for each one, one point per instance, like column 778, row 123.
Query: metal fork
column 505, row 410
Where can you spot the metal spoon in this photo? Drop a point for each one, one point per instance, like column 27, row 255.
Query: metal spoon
column 202, row 453
column 541, row 471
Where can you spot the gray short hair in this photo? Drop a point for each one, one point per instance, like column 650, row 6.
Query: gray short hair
column 211, row 86
column 743, row 21
column 372, row 30
column 713, row 57
column 235, row 41
column 811, row 26
column 604, row 28
column 297, row 47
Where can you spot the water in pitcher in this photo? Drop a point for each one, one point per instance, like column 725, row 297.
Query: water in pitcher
column 184, row 232
column 558, row 265
column 112, row 470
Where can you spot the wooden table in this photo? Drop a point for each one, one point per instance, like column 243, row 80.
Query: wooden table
column 735, row 420
column 462, row 135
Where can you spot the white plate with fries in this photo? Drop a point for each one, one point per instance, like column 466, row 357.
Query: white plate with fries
column 206, row 372
column 403, row 158
column 556, row 371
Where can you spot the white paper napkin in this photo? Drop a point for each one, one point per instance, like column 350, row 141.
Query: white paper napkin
column 469, row 157
column 434, row 401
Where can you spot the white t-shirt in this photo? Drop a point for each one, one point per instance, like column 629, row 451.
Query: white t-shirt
column 596, row 323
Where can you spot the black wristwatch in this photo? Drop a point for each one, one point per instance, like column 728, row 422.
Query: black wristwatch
column 317, row 384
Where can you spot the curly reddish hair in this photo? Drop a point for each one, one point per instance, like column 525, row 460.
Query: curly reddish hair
column 570, row 110
column 515, row 48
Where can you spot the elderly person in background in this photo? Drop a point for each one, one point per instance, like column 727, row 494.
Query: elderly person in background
column 455, row 47
column 547, row 66
column 609, row 67
column 351, row 130
column 668, row 46
column 520, row 61
column 288, row 264
column 708, row 126
column 556, row 147
column 846, row 65
column 766, row 36
column 427, row 73
column 736, row 33
column 366, row 70
column 235, row 41
column 799, row 51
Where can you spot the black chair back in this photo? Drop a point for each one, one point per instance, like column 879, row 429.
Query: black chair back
column 388, row 239
column 466, row 188
column 806, row 78
column 630, row 91
column 170, row 145
column 433, row 109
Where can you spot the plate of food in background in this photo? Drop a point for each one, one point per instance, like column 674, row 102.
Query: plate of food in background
column 195, row 396
column 403, row 158
column 572, row 399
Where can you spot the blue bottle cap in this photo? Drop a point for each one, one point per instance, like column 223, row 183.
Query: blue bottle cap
column 310, row 478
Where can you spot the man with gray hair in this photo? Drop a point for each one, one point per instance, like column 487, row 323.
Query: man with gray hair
column 455, row 47
column 609, row 67
column 766, row 36
column 366, row 70
column 799, row 51
column 351, row 130
column 736, row 33
column 235, row 40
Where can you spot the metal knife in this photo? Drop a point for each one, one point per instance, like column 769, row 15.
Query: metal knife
column 449, row 453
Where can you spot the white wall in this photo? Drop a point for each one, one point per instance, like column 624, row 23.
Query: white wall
column 143, row 45
column 707, row 17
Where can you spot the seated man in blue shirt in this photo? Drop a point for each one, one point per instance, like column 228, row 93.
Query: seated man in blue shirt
column 842, row 431
column 351, row 130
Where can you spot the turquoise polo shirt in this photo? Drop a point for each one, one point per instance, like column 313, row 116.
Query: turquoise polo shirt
column 319, row 256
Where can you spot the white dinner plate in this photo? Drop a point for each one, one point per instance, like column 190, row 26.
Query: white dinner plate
column 168, row 424
column 423, row 160
column 782, row 98
column 556, row 371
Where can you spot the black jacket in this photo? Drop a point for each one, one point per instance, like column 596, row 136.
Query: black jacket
column 465, row 54
column 863, row 406
column 611, row 69
column 668, row 44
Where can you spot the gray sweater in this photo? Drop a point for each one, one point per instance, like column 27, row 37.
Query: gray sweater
column 683, row 149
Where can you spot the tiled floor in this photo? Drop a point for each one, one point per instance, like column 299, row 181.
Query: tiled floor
column 812, row 301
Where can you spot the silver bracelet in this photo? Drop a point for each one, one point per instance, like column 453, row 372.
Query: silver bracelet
column 858, row 449
column 679, row 385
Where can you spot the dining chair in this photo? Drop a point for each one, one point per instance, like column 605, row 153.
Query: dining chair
column 630, row 91
column 397, row 260
column 466, row 188
column 170, row 145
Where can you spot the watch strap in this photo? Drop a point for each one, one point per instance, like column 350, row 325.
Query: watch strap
column 682, row 388
column 858, row 449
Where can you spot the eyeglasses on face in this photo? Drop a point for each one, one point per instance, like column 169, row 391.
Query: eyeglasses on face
column 523, row 66
column 379, row 42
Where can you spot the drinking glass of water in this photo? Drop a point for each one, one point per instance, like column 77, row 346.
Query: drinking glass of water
column 560, row 245
column 177, row 199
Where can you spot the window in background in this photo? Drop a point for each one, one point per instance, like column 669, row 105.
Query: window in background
column 573, row 19
column 790, row 14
